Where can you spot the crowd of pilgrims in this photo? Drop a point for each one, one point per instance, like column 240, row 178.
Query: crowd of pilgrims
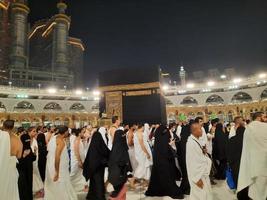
column 59, row 162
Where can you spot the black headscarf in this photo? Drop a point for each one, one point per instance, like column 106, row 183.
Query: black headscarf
column 119, row 162
column 219, row 142
column 163, row 175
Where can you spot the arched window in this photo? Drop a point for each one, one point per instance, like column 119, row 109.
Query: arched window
column 77, row 107
column 214, row 99
column 200, row 114
column 241, row 97
column 52, row 106
column 189, row 101
column 264, row 94
column 221, row 115
column 168, row 102
column 2, row 107
column 24, row 105
column 191, row 115
column 95, row 108
column 230, row 116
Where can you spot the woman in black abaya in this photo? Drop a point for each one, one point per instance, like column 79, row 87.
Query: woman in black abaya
column 162, row 180
column 219, row 151
column 119, row 165
column 94, row 167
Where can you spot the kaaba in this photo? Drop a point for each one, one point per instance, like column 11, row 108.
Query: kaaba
column 133, row 94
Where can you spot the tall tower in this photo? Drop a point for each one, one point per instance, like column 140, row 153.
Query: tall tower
column 5, row 39
column 182, row 75
column 19, row 47
column 60, row 39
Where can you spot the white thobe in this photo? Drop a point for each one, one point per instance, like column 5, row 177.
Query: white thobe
column 178, row 131
column 253, row 166
column 198, row 167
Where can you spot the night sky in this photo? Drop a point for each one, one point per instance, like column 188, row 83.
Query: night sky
column 201, row 34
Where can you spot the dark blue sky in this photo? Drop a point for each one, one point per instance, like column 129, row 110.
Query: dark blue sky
column 201, row 34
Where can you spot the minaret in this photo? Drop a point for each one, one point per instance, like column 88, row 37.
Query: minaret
column 61, row 34
column 182, row 75
column 18, row 56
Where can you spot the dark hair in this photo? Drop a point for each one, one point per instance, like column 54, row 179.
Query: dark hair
column 219, row 127
column 140, row 126
column 114, row 119
column 62, row 129
column 256, row 115
column 248, row 121
column 20, row 130
column 76, row 131
column 198, row 119
column 31, row 128
column 237, row 118
column 171, row 125
column 214, row 121
column 9, row 124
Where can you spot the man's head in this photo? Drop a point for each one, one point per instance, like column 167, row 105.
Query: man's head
column 8, row 124
column 238, row 121
column 132, row 127
column 259, row 116
column 199, row 120
column 63, row 131
column 115, row 120
column 140, row 127
column 214, row 122
column 196, row 129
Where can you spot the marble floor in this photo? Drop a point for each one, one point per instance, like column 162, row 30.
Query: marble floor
column 220, row 192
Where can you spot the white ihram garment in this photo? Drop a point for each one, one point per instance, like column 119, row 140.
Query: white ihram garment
column 143, row 170
column 198, row 167
column 253, row 165
column 132, row 156
column 9, row 173
column 76, row 174
column 37, row 183
column 62, row 188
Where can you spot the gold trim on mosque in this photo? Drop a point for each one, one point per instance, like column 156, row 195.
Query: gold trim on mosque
column 20, row 7
column 126, row 87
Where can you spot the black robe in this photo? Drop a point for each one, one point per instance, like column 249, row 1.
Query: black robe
column 42, row 151
column 162, row 180
column 119, row 162
column 219, row 151
column 25, row 170
column 94, row 167
column 233, row 152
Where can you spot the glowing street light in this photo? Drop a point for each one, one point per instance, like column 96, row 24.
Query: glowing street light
column 237, row 80
column 223, row 76
column 96, row 93
column 78, row 92
column 96, row 98
column 52, row 90
column 263, row 75
column 190, row 85
column 10, row 84
column 210, row 83
column 165, row 87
